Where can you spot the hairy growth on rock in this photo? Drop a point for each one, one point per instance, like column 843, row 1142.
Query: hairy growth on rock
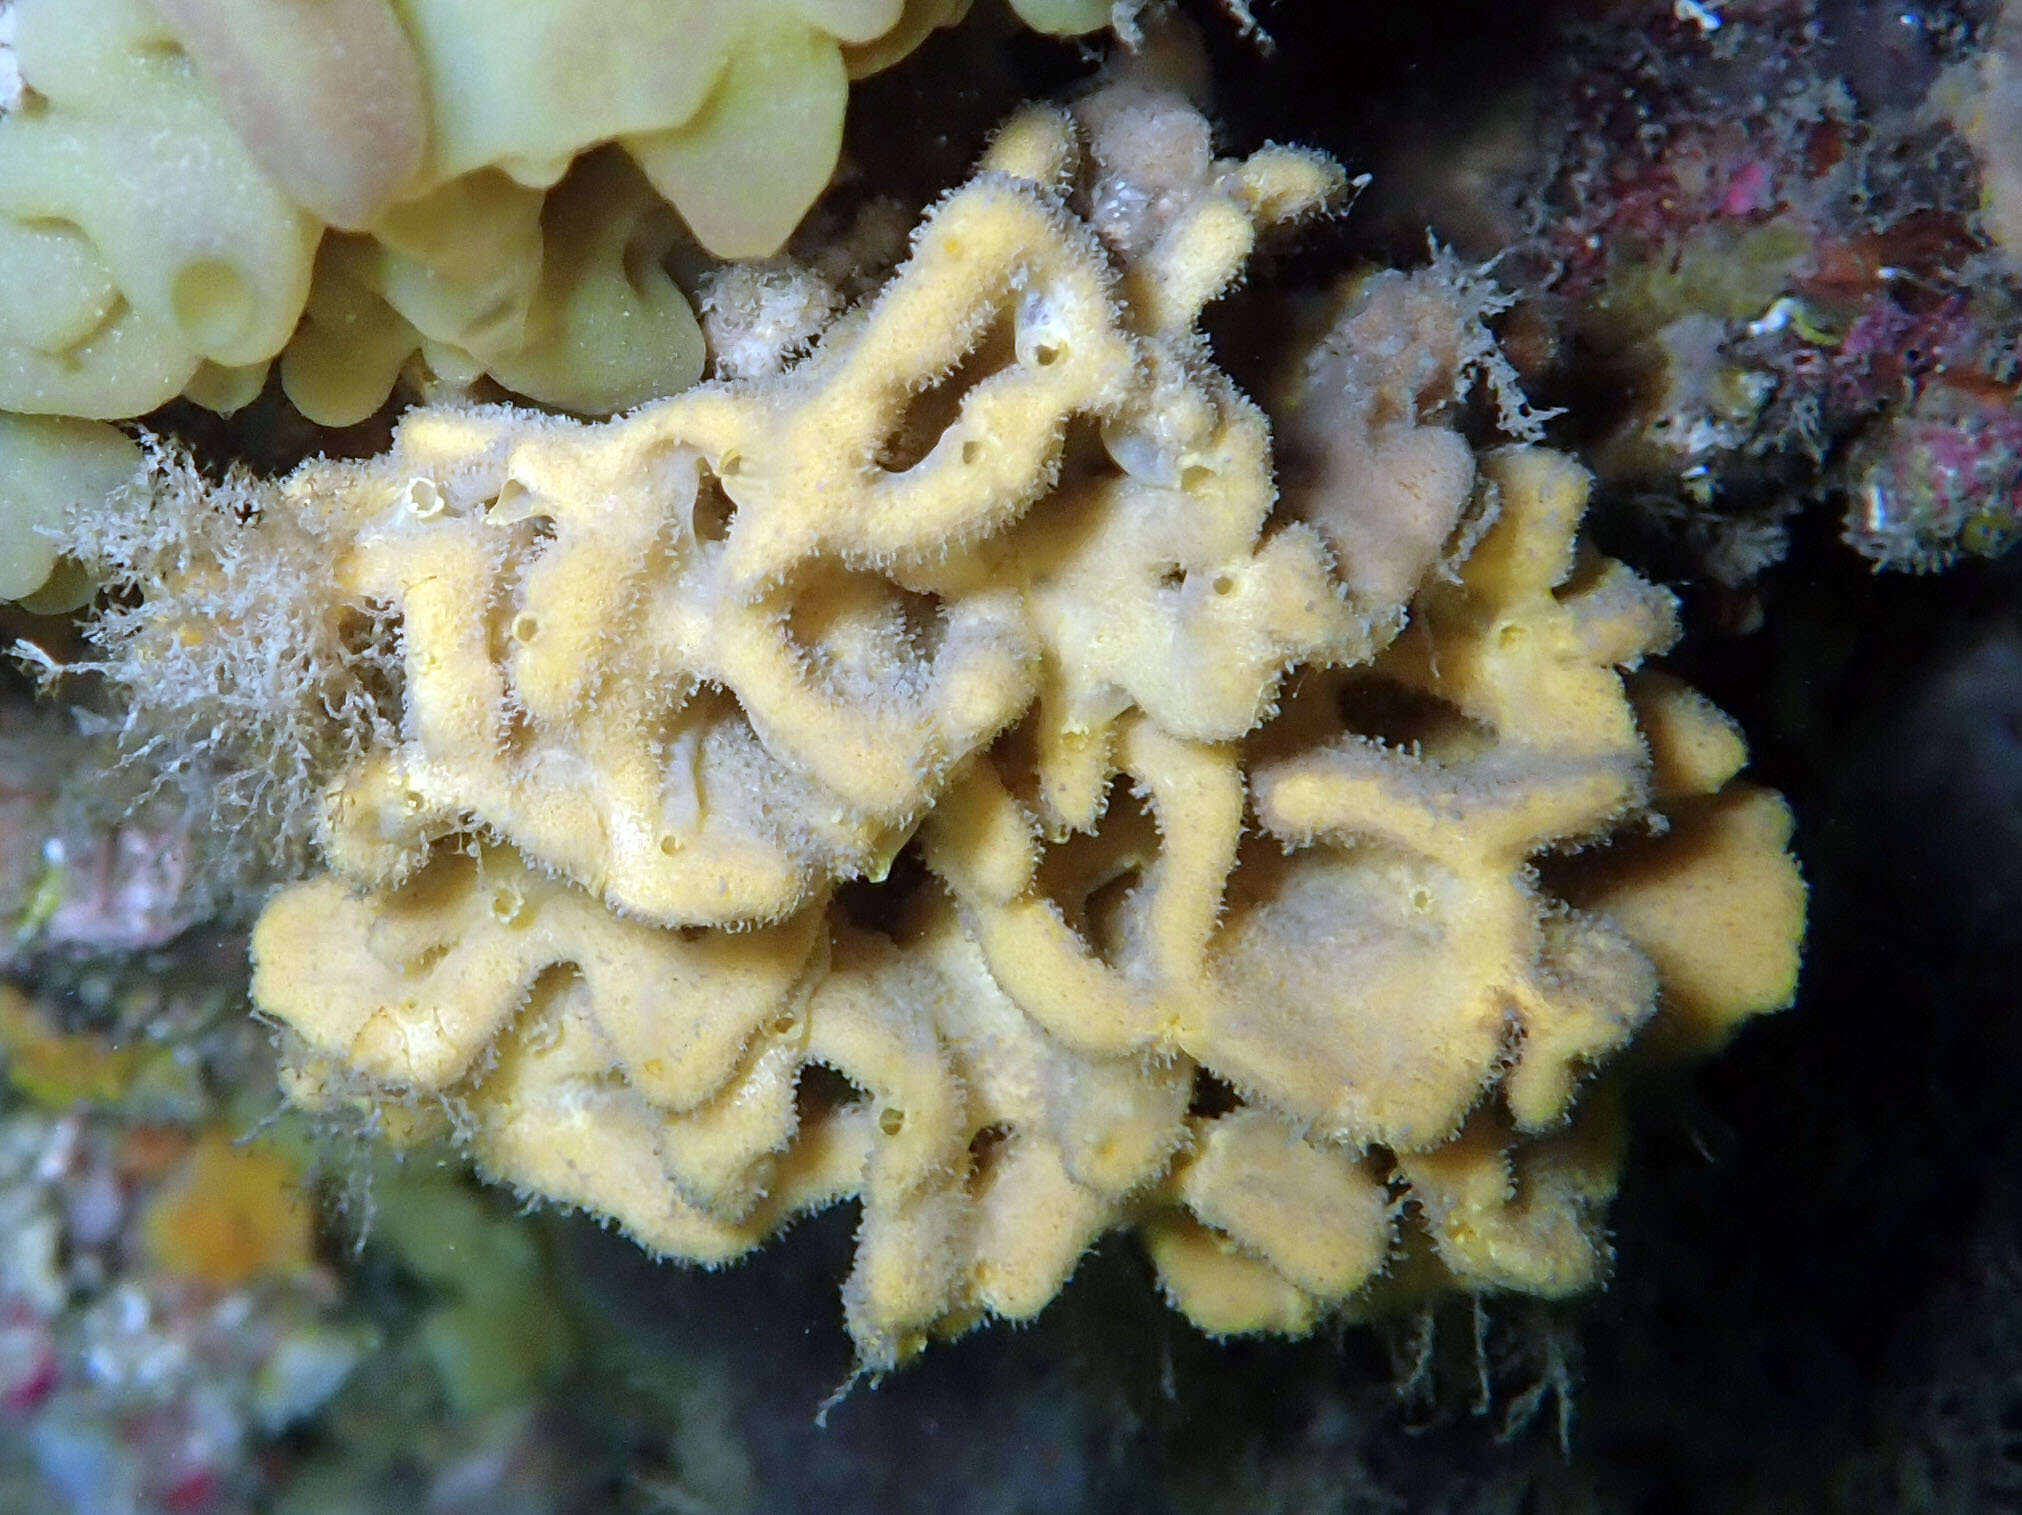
column 944, row 774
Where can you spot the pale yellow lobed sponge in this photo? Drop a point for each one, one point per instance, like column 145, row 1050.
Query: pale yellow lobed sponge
column 558, row 296
column 944, row 775
column 183, row 181
column 140, row 244
column 50, row 467
column 499, row 258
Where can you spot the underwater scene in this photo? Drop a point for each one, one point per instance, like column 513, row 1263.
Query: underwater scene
column 1010, row 757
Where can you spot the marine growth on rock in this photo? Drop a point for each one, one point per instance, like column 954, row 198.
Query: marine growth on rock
column 952, row 774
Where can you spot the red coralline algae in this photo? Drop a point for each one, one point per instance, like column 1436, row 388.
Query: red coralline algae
column 1943, row 477
column 1767, row 232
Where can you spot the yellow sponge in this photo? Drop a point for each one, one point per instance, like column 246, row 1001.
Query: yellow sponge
column 1280, row 921
column 164, row 190
column 51, row 466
